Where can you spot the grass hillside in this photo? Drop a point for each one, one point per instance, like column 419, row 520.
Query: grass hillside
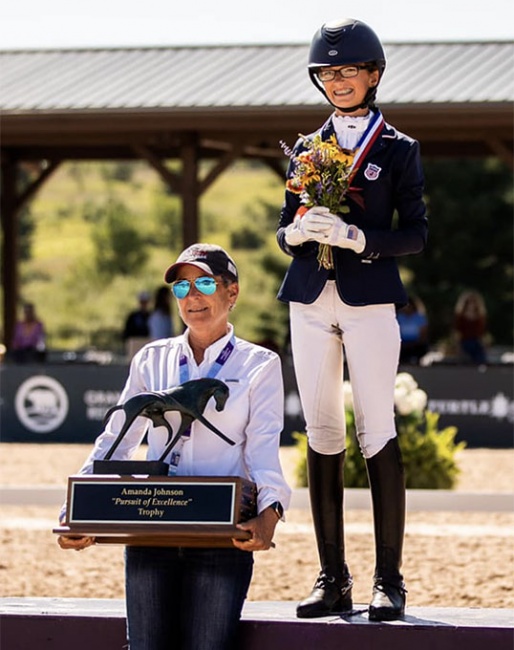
column 81, row 216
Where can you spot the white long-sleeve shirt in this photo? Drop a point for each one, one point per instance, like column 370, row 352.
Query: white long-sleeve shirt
column 252, row 417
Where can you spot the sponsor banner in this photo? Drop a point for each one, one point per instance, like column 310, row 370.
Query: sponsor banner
column 478, row 401
column 57, row 403
column 67, row 403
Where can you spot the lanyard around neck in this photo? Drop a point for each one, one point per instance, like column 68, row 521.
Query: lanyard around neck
column 213, row 371
column 218, row 364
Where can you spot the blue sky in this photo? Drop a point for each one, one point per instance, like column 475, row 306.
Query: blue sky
column 110, row 23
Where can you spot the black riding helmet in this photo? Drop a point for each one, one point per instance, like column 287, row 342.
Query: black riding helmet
column 345, row 42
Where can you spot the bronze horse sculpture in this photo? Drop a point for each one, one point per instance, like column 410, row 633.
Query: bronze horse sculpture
column 189, row 399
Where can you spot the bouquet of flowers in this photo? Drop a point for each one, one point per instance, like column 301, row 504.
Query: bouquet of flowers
column 322, row 175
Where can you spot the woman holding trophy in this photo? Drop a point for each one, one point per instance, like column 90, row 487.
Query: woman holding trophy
column 189, row 598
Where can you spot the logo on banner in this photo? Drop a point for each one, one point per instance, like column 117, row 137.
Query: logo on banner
column 98, row 402
column 372, row 172
column 41, row 404
column 499, row 407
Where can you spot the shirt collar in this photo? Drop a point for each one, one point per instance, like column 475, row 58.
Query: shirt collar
column 348, row 123
column 212, row 352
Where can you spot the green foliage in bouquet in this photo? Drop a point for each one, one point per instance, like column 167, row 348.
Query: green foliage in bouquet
column 428, row 452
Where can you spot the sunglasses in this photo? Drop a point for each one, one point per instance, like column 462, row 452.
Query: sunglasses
column 205, row 285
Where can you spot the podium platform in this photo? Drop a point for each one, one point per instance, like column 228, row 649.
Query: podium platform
column 82, row 624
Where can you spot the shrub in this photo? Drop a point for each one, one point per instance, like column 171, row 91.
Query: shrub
column 246, row 238
column 428, row 452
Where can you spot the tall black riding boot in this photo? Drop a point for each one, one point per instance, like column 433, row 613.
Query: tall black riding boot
column 332, row 591
column 387, row 481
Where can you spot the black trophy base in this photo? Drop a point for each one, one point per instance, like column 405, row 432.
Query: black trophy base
column 131, row 467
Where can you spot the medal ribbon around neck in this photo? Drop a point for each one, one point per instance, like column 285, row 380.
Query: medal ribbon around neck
column 218, row 364
column 367, row 140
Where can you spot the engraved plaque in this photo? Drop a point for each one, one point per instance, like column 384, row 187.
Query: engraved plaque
column 159, row 510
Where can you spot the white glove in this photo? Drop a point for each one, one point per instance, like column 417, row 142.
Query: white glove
column 314, row 225
column 346, row 235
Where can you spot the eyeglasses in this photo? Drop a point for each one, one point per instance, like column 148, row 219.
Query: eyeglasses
column 329, row 74
column 205, row 285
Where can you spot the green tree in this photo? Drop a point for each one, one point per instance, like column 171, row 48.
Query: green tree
column 120, row 249
column 118, row 170
column 469, row 245
column 246, row 238
column 26, row 225
column 166, row 216
column 26, row 234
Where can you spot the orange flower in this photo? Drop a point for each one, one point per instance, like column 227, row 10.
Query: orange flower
column 294, row 186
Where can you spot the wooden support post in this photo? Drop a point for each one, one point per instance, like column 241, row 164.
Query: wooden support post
column 12, row 201
column 9, row 220
column 190, row 193
column 170, row 178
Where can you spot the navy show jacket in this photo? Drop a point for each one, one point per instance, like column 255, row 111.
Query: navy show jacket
column 371, row 277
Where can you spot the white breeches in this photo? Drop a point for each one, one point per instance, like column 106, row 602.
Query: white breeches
column 371, row 339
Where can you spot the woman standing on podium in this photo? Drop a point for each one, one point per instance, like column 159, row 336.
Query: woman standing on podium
column 342, row 287
column 191, row 598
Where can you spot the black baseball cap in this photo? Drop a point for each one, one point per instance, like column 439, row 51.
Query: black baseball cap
column 209, row 257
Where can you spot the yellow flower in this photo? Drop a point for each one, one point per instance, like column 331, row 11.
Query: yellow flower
column 344, row 156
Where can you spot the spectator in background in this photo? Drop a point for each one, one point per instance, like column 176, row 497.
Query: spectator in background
column 470, row 326
column 413, row 323
column 136, row 332
column 29, row 341
column 136, row 324
column 160, row 324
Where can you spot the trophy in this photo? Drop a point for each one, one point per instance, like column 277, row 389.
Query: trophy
column 137, row 503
